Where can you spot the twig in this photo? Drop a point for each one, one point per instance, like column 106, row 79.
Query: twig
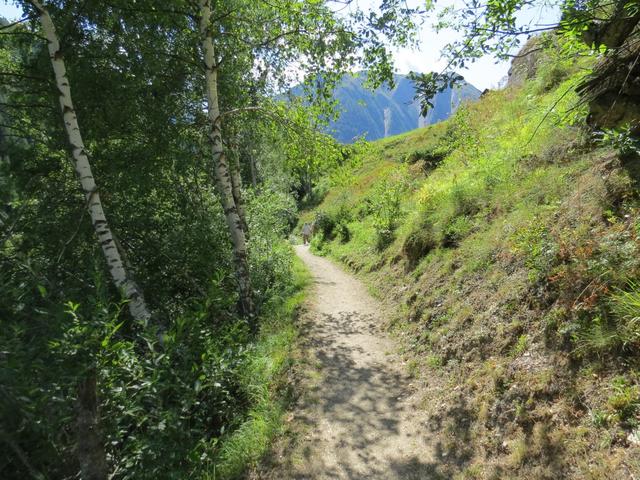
column 555, row 104
column 84, row 210
column 22, row 456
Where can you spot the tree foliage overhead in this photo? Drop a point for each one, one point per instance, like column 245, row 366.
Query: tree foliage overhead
column 496, row 28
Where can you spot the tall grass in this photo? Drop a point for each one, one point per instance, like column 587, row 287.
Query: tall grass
column 618, row 330
column 268, row 361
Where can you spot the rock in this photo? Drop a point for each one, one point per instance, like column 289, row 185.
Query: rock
column 613, row 89
column 634, row 437
column 525, row 64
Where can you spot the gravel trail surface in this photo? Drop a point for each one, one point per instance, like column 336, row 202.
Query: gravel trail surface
column 360, row 415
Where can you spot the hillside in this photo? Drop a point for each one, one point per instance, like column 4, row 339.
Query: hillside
column 384, row 112
column 505, row 239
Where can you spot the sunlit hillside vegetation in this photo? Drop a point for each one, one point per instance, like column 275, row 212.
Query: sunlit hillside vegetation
column 506, row 241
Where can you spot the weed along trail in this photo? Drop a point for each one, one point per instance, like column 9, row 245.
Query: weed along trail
column 360, row 416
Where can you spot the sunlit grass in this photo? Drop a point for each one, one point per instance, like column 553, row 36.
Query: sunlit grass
column 269, row 360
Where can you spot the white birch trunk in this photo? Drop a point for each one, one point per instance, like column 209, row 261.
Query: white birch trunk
column 122, row 280
column 221, row 165
column 236, row 185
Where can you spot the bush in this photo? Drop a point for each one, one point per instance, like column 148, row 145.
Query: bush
column 625, row 400
column 269, row 215
column 385, row 201
column 431, row 156
column 332, row 223
column 621, row 139
column 324, row 225
column 418, row 244
column 617, row 328
column 456, row 230
column 344, row 234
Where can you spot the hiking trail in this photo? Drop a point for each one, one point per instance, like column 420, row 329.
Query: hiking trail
column 360, row 416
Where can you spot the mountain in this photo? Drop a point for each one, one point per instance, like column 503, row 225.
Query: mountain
column 384, row 112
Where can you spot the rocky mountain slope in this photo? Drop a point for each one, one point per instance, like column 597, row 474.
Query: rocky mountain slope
column 385, row 112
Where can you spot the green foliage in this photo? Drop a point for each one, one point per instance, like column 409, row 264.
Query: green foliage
column 430, row 84
column 624, row 400
column 270, row 215
column 385, row 206
column 621, row 139
column 329, row 224
column 521, row 345
column 462, row 135
column 618, row 328
column 534, row 242
column 431, row 156
column 324, row 225
column 456, row 230
column 625, row 307
column 170, row 395
column 541, row 236
column 265, row 369
column 418, row 243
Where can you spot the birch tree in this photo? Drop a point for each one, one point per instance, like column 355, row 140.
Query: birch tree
column 258, row 42
column 121, row 277
column 222, row 172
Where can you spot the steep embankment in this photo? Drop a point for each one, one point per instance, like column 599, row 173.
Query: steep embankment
column 506, row 240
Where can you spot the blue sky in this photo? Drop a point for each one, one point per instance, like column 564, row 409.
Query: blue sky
column 484, row 73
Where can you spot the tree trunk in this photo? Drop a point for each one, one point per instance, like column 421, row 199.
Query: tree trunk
column 93, row 463
column 221, row 166
column 254, row 171
column 236, row 186
column 119, row 274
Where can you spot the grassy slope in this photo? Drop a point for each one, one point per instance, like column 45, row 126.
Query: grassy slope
column 507, row 266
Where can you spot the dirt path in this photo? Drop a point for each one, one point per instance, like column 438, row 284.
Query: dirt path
column 360, row 418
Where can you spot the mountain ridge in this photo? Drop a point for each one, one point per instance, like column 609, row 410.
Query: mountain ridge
column 379, row 113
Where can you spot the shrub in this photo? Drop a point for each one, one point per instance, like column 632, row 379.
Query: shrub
column 385, row 203
column 431, row 156
column 466, row 199
column 534, row 241
column 324, row 225
column 331, row 223
column 318, row 245
column 521, row 345
column 269, row 215
column 344, row 234
column 625, row 400
column 456, row 230
column 418, row 244
column 462, row 135
column 621, row 139
column 551, row 72
column 625, row 306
